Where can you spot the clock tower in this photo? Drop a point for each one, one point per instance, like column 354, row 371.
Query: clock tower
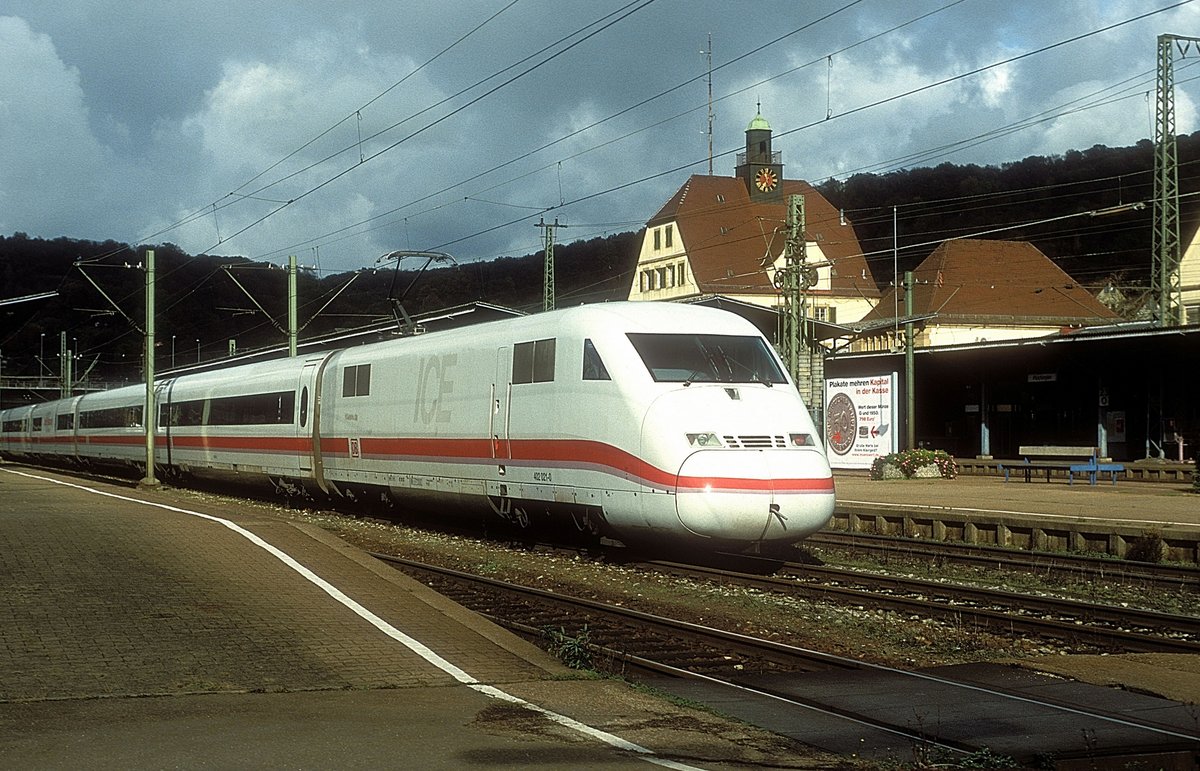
column 760, row 168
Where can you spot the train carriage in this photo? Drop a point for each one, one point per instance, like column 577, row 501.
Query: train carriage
column 109, row 428
column 53, row 430
column 253, row 425
column 15, row 433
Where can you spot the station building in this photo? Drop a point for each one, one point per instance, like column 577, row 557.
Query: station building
column 1009, row 349
column 724, row 237
column 974, row 291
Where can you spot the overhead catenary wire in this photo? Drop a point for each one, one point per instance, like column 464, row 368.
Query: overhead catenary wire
column 627, row 11
column 581, row 35
column 357, row 113
column 841, row 115
column 567, row 203
column 622, row 112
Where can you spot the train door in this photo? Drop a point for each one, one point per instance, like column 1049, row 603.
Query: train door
column 306, row 415
column 162, row 400
column 500, row 406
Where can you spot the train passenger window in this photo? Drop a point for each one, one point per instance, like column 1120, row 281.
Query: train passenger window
column 356, row 380
column 66, row 421
column 533, row 362
column 112, row 417
column 252, row 409
column 303, row 406
column 187, row 413
column 593, row 365
column 14, row 426
column 691, row 358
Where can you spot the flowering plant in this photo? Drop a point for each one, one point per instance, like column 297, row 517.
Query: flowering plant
column 907, row 462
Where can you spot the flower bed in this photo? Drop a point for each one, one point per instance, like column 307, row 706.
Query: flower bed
column 915, row 464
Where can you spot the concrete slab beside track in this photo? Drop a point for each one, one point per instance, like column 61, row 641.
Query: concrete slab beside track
column 1103, row 518
column 137, row 632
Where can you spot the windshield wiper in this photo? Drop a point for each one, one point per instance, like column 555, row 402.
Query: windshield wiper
column 754, row 376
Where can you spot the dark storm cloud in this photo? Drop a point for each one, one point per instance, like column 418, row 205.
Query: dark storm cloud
column 121, row 120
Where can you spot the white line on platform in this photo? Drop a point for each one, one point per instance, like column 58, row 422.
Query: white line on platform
column 416, row 646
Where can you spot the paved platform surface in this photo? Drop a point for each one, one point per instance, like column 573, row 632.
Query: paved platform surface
column 141, row 636
column 1144, row 503
column 135, row 636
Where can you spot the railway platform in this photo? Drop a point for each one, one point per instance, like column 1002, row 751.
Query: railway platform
column 170, row 629
column 1040, row 515
column 157, row 630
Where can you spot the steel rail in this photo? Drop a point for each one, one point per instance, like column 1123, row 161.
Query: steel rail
column 965, row 604
column 807, row 656
column 768, row 650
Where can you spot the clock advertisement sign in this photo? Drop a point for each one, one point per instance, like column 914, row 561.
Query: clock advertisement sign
column 860, row 419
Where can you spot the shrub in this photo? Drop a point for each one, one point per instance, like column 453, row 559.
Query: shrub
column 1150, row 547
column 575, row 652
column 908, row 461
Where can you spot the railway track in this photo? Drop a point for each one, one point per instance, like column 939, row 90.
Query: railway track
column 748, row 676
column 620, row 638
column 1051, row 565
column 998, row 611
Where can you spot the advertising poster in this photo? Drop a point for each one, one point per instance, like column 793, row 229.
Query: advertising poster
column 860, row 419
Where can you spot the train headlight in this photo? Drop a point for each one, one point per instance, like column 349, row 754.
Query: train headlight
column 802, row 440
column 704, row 440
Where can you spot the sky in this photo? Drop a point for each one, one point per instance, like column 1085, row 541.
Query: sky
column 340, row 132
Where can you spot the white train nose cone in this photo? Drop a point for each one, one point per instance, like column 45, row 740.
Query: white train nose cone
column 765, row 495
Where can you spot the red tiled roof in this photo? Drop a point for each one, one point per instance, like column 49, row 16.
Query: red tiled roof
column 730, row 238
column 978, row 278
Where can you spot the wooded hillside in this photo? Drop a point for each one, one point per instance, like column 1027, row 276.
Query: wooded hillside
column 948, row 201
column 199, row 305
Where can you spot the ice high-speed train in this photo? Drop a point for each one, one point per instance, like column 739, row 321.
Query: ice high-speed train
column 639, row 421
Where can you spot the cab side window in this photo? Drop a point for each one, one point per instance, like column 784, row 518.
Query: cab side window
column 533, row 362
column 356, row 380
column 593, row 365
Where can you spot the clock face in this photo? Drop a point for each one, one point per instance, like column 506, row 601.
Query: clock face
column 841, row 424
column 765, row 180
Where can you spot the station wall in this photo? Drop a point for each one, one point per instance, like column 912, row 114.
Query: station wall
column 1130, row 393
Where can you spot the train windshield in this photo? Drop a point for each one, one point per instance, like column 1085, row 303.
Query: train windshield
column 690, row 358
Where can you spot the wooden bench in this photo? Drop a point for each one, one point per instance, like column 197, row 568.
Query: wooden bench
column 1073, row 460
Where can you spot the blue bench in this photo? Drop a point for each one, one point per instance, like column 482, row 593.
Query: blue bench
column 1073, row 460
